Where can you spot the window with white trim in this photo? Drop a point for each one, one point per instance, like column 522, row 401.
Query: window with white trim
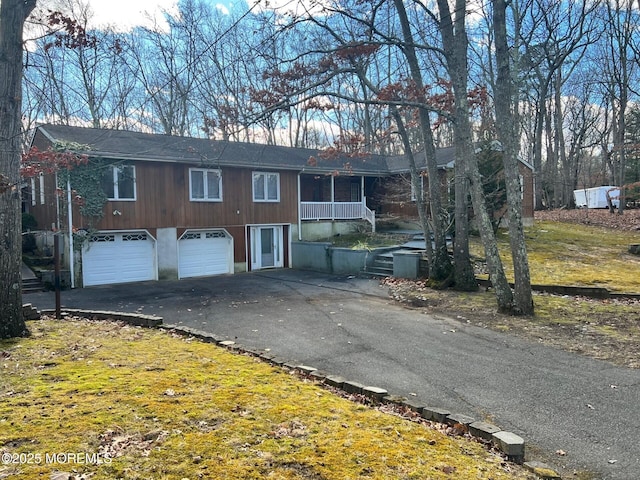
column 266, row 187
column 42, row 189
column 205, row 185
column 119, row 182
column 33, row 192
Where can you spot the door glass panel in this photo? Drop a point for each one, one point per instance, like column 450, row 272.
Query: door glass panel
column 266, row 247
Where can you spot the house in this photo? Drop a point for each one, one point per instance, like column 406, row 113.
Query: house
column 178, row 207
column 405, row 206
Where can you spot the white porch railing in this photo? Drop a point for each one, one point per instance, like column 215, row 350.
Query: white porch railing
column 337, row 211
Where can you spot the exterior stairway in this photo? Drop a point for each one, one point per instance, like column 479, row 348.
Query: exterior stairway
column 382, row 265
column 30, row 283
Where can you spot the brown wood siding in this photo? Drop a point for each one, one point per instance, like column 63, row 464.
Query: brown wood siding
column 45, row 214
column 162, row 192
column 395, row 199
column 162, row 201
column 239, row 245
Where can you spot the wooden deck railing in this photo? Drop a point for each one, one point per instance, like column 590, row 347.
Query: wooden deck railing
column 337, row 211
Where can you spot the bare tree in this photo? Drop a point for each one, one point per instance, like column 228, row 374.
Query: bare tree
column 619, row 68
column 440, row 268
column 76, row 75
column 506, row 127
column 164, row 64
column 554, row 36
column 452, row 27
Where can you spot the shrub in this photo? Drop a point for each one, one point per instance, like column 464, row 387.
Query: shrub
column 28, row 222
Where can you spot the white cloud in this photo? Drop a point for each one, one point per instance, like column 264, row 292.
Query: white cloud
column 120, row 15
column 222, row 8
column 123, row 15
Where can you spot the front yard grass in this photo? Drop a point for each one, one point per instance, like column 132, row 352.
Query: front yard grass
column 579, row 255
column 101, row 400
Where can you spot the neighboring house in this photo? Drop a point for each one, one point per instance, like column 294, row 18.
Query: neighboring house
column 179, row 207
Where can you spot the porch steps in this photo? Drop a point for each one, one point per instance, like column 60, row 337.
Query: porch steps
column 30, row 282
column 382, row 265
column 32, row 285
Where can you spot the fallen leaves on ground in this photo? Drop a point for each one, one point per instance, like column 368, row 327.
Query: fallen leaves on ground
column 601, row 217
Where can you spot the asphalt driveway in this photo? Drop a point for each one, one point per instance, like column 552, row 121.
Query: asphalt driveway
column 348, row 326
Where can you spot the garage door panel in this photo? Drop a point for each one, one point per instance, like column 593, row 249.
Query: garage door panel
column 204, row 253
column 118, row 258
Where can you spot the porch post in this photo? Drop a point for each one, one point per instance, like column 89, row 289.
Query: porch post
column 70, row 226
column 333, row 197
column 299, row 209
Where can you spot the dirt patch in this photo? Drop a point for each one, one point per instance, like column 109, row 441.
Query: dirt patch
column 604, row 329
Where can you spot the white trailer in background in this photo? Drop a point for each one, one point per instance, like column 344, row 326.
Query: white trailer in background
column 597, row 197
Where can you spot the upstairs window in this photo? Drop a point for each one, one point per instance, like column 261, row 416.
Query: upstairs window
column 119, row 182
column 205, row 185
column 266, row 187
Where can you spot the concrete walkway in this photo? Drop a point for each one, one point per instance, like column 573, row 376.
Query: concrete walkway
column 27, row 273
column 347, row 326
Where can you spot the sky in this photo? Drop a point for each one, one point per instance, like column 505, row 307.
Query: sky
column 126, row 14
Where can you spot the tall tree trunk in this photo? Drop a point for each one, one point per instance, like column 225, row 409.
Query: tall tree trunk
column 455, row 43
column 13, row 14
column 507, row 134
column 441, row 267
column 537, row 146
column 558, row 115
column 416, row 184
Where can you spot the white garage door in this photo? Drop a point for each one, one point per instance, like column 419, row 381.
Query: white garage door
column 119, row 258
column 205, row 252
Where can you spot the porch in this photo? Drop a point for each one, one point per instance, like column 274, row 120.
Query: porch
column 338, row 211
column 334, row 198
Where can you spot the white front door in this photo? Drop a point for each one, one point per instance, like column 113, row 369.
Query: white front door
column 266, row 247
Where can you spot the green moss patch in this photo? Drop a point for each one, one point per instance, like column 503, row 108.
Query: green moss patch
column 110, row 401
column 580, row 255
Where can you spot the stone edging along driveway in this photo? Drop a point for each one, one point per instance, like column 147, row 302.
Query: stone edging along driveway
column 510, row 444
